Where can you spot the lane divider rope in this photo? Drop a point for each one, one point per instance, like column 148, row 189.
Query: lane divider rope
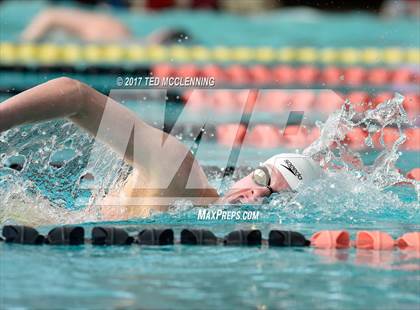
column 262, row 75
column 287, row 75
column 108, row 235
column 50, row 53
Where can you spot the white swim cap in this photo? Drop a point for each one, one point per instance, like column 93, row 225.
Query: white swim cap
column 295, row 168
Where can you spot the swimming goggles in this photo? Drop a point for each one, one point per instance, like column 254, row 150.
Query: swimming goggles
column 261, row 177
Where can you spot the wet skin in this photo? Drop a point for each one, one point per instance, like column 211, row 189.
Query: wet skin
column 247, row 191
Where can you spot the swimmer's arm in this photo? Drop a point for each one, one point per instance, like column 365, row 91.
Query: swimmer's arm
column 84, row 25
column 58, row 98
column 68, row 98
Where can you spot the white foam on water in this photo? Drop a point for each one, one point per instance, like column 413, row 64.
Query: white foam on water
column 41, row 194
column 356, row 193
column 351, row 194
column 330, row 148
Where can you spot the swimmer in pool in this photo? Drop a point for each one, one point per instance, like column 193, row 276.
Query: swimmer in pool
column 92, row 27
column 152, row 165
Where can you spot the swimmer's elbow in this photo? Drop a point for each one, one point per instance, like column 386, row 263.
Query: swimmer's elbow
column 73, row 91
column 64, row 80
column 67, row 84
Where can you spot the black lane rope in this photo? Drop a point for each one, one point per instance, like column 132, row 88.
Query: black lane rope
column 108, row 235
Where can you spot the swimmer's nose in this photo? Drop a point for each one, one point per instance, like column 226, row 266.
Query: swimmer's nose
column 247, row 196
column 252, row 195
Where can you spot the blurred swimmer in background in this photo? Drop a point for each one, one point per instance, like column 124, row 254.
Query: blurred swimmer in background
column 89, row 26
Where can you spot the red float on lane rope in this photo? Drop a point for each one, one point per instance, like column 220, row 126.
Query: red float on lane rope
column 332, row 76
column 356, row 138
column 413, row 139
column 354, row 76
column 260, row 75
column 378, row 76
column 238, row 75
column 414, row 174
column 264, row 136
column 307, row 75
column 329, row 101
column 284, row 75
column 230, row 134
column 275, row 101
column 331, row 239
column 374, row 240
column 409, row 241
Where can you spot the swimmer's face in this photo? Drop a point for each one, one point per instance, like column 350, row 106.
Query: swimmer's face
column 258, row 184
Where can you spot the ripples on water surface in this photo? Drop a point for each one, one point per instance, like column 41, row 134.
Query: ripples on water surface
column 209, row 277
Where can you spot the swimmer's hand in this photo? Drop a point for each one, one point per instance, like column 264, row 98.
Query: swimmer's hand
column 87, row 26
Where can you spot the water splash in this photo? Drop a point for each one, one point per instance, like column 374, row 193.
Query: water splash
column 56, row 177
column 359, row 189
column 341, row 198
column 355, row 193
column 332, row 150
column 350, row 192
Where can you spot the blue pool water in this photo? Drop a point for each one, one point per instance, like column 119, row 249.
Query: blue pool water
column 180, row 277
column 184, row 277
column 198, row 277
